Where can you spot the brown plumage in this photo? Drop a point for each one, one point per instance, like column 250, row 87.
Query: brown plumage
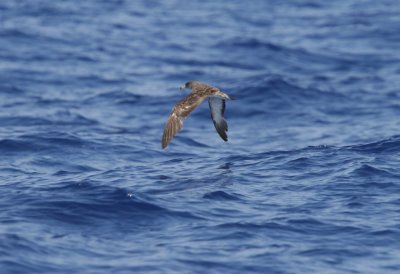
column 200, row 92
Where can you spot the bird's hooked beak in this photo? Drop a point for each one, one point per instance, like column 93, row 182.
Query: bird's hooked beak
column 182, row 87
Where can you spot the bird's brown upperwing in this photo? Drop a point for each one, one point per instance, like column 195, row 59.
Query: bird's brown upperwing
column 179, row 113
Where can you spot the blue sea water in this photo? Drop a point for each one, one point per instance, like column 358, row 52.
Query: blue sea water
column 309, row 181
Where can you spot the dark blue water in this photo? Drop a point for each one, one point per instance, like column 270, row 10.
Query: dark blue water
column 309, row 181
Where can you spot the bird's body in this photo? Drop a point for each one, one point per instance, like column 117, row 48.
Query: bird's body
column 200, row 92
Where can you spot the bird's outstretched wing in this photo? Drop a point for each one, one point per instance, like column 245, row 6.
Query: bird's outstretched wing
column 179, row 113
column 217, row 109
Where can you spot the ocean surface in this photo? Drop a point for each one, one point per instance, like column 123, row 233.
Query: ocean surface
column 309, row 181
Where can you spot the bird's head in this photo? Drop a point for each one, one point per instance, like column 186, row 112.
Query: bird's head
column 189, row 84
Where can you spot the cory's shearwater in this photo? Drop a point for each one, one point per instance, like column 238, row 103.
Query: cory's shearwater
column 200, row 92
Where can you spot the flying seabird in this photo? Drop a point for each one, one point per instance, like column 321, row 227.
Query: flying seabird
column 200, row 92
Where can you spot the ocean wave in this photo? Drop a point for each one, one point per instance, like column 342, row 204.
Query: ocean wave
column 390, row 145
column 220, row 196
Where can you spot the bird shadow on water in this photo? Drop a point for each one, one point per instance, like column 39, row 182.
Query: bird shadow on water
column 226, row 173
column 190, row 177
